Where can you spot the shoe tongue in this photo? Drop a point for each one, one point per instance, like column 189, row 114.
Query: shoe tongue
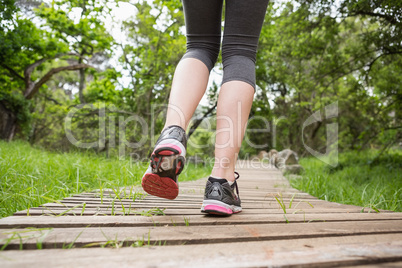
column 221, row 181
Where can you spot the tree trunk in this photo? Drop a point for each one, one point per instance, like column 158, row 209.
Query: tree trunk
column 8, row 123
column 81, row 85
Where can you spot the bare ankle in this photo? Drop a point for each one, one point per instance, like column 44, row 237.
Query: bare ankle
column 224, row 173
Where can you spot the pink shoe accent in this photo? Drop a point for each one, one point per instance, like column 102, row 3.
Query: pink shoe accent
column 214, row 209
column 168, row 145
column 160, row 186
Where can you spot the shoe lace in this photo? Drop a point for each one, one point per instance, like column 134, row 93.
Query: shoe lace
column 235, row 183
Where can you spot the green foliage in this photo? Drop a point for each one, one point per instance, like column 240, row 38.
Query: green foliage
column 22, row 42
column 88, row 32
column 103, row 88
column 357, row 180
column 200, row 143
column 318, row 52
column 7, row 9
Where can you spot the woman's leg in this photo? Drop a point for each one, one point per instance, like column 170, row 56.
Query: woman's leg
column 203, row 26
column 243, row 23
column 189, row 84
column 234, row 104
column 203, row 31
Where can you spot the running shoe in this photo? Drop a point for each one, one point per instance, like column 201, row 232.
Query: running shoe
column 220, row 198
column 166, row 163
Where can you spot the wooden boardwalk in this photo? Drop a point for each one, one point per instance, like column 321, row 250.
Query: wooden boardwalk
column 279, row 226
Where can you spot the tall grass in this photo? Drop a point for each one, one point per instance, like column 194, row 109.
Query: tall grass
column 30, row 176
column 359, row 179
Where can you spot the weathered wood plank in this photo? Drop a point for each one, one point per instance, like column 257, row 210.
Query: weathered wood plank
column 271, row 204
column 191, row 193
column 179, row 235
column 388, row 264
column 97, row 201
column 177, row 211
column 316, row 252
column 193, row 199
column 194, row 220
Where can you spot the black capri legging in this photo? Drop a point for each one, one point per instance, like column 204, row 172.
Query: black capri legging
column 243, row 23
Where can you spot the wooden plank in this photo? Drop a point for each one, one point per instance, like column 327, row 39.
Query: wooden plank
column 273, row 204
column 388, row 264
column 180, row 235
column 167, row 202
column 266, row 197
column 196, row 203
column 200, row 184
column 316, row 252
column 177, row 211
column 192, row 198
column 191, row 193
column 194, row 220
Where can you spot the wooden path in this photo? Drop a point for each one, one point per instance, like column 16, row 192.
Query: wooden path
column 89, row 230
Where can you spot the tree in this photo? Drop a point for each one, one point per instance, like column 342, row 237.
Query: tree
column 310, row 56
column 26, row 48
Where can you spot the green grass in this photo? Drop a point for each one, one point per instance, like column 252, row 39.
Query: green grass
column 358, row 180
column 30, row 176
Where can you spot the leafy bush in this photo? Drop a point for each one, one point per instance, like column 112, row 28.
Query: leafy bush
column 357, row 180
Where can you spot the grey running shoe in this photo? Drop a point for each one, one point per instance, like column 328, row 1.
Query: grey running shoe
column 220, row 198
column 166, row 163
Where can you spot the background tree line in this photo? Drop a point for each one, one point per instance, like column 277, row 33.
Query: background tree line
column 59, row 55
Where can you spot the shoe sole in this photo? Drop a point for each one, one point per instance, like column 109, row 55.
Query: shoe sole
column 163, row 187
column 216, row 207
column 165, row 165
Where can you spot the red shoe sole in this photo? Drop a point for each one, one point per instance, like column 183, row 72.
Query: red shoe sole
column 163, row 187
